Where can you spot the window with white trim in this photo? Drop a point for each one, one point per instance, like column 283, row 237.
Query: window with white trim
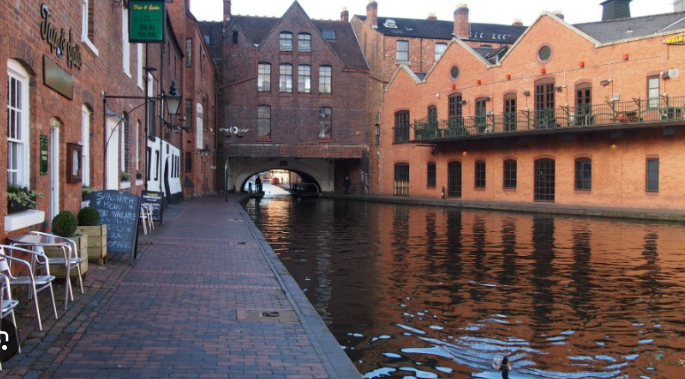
column 325, row 79
column 88, row 24
column 199, row 127
column 125, row 45
column 402, row 54
column 139, row 64
column 17, row 125
column 85, row 143
column 304, row 78
column 439, row 50
column 286, row 78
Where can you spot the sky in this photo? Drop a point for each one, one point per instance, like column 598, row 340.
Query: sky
column 483, row 11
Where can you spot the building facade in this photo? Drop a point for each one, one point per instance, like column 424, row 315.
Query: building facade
column 74, row 107
column 292, row 96
column 389, row 42
column 588, row 114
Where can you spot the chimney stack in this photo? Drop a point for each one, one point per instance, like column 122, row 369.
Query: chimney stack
column 227, row 12
column 372, row 14
column 615, row 9
column 462, row 28
column 559, row 14
column 432, row 17
column 517, row 22
column 345, row 15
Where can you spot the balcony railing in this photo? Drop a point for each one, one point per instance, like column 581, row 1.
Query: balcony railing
column 636, row 111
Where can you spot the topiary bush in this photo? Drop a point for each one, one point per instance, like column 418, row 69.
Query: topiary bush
column 88, row 216
column 64, row 224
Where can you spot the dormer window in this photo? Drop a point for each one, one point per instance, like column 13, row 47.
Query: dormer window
column 390, row 24
column 329, row 35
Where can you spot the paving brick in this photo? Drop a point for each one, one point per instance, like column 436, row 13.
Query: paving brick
column 174, row 311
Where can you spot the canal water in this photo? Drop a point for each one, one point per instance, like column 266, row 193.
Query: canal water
column 429, row 292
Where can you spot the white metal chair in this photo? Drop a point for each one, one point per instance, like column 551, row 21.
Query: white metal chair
column 35, row 283
column 70, row 254
column 8, row 305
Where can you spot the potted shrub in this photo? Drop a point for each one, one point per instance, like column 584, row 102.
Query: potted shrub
column 64, row 225
column 86, row 193
column 88, row 220
column 20, row 199
column 139, row 175
column 124, row 176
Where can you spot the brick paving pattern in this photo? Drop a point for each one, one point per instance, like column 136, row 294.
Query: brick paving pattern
column 184, row 309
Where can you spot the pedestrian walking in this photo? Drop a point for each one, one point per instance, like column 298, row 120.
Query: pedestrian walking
column 346, row 184
column 258, row 184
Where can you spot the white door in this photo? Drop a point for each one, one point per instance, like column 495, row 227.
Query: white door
column 54, row 169
column 112, row 169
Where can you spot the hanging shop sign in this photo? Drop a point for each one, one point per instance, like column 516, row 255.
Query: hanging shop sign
column 675, row 40
column 146, row 21
column 57, row 78
column 60, row 41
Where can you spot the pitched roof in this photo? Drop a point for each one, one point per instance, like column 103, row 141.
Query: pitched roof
column 633, row 28
column 345, row 44
column 437, row 29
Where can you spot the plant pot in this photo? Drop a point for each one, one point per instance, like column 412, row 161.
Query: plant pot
column 60, row 271
column 14, row 207
column 97, row 242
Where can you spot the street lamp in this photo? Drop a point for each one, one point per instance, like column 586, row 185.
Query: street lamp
column 172, row 99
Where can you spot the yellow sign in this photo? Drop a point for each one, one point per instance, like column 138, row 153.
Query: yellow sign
column 675, row 40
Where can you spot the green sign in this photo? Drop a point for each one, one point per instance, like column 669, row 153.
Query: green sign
column 43, row 155
column 146, row 21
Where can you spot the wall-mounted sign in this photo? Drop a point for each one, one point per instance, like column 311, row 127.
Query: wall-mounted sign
column 43, row 154
column 58, row 79
column 60, row 40
column 675, row 40
column 146, row 21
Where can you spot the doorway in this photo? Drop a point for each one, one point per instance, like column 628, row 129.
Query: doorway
column 54, row 168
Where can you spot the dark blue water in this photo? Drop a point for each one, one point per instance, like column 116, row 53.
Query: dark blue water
column 437, row 293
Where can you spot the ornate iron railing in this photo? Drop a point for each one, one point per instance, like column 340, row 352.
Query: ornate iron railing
column 636, row 111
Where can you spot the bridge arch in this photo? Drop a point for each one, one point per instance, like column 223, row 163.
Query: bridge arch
column 320, row 171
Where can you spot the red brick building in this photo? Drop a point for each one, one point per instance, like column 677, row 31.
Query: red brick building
column 389, row 42
column 588, row 114
column 292, row 97
column 74, row 109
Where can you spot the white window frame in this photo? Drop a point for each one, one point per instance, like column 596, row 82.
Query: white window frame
column 123, row 125
column 285, row 81
column 85, row 145
column 326, row 79
column 304, row 78
column 440, row 51
column 125, row 45
column 199, row 142
column 17, row 72
column 84, row 27
column 402, row 55
column 139, row 53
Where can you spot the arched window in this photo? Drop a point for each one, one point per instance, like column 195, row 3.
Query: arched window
column 286, row 41
column 583, row 180
column 325, row 79
column 304, row 78
column 304, row 42
column 479, row 174
column 509, row 174
column 402, row 126
column 544, row 180
column 325, row 123
column 402, row 179
column 510, row 112
column 264, row 121
column 286, row 78
column 454, row 179
column 264, row 77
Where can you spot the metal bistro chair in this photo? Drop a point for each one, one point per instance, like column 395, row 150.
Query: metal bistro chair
column 8, row 305
column 71, row 255
column 35, row 283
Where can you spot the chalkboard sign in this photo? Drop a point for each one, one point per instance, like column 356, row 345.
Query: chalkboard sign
column 121, row 212
column 154, row 199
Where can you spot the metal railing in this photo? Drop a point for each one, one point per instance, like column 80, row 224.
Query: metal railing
column 635, row 111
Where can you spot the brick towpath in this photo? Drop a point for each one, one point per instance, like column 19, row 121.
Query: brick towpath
column 191, row 306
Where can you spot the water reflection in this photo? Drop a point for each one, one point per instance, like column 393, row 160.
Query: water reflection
column 431, row 292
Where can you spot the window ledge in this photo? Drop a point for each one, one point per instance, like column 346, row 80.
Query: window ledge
column 124, row 185
column 22, row 220
column 139, row 182
column 91, row 46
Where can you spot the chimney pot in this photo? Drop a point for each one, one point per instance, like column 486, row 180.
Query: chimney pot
column 462, row 28
column 517, row 22
column 559, row 14
column 345, row 15
column 372, row 13
column 432, row 17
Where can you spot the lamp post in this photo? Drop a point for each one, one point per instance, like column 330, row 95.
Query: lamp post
column 173, row 101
